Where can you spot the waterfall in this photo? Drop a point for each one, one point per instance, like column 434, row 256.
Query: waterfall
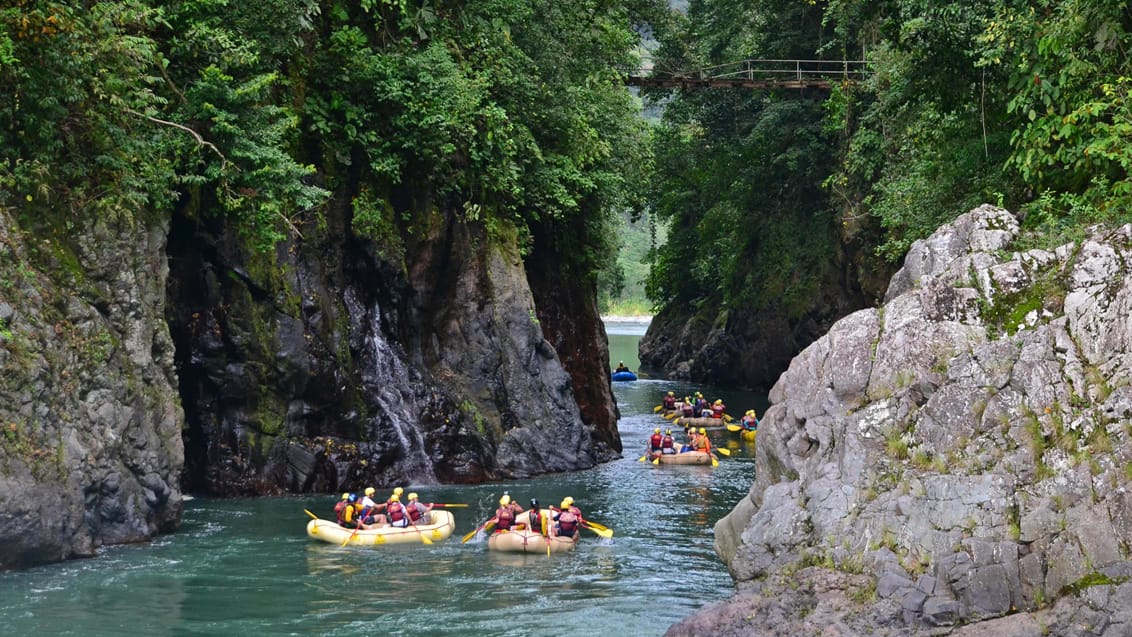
column 388, row 383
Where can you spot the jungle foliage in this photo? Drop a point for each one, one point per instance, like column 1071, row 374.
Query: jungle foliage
column 511, row 112
column 1019, row 103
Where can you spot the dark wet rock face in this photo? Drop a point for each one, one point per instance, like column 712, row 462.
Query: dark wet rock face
column 963, row 447
column 90, row 427
column 336, row 362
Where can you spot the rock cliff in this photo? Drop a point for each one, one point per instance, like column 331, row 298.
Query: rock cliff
column 955, row 461
column 90, row 425
column 339, row 361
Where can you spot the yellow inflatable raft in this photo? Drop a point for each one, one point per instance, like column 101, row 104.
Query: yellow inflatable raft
column 527, row 541
column 699, row 422
column 688, row 457
column 441, row 526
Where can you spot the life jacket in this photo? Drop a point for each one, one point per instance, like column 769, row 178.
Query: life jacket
column 567, row 523
column 717, row 411
column 750, row 422
column 535, row 521
column 667, row 442
column 504, row 518
column 414, row 511
column 655, row 441
column 669, row 402
column 348, row 513
column 396, row 511
column 703, row 444
column 338, row 509
column 688, row 408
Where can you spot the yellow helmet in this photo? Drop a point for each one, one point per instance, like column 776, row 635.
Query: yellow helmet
column 398, row 491
column 656, row 431
column 718, row 401
column 394, row 498
column 703, row 431
column 370, row 490
column 668, row 432
column 568, row 500
column 565, row 505
column 345, row 496
column 412, row 496
column 671, row 393
column 505, row 500
column 750, row 412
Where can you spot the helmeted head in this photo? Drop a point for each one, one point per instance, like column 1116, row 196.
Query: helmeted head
column 668, row 432
column 534, row 503
column 718, row 402
column 750, row 412
column 394, row 498
column 370, row 491
column 656, row 431
column 398, row 491
column 353, row 498
column 567, row 501
column 412, row 496
column 345, row 496
column 699, row 395
column 620, row 362
column 565, row 505
column 687, row 399
column 703, row 431
column 505, row 500
column 672, row 393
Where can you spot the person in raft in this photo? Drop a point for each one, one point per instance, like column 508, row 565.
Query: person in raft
column 340, row 508
column 669, row 401
column 566, row 521
column 621, row 367
column 717, row 408
column 656, row 441
column 702, row 442
column 418, row 511
column 369, row 516
column 398, row 514
column 667, row 444
column 749, row 422
column 506, row 514
column 535, row 518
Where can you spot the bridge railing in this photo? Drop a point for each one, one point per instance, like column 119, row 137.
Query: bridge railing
column 801, row 71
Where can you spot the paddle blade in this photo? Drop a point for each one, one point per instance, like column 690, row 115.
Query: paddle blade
column 642, row 458
column 670, row 416
column 597, row 526
column 723, row 450
column 734, row 428
column 313, row 516
column 657, row 460
column 714, row 462
column 450, row 506
column 424, row 538
column 657, row 408
column 471, row 534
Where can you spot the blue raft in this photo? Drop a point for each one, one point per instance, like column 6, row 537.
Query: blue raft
column 624, row 376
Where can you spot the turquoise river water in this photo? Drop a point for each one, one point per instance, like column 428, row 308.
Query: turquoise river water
column 246, row 566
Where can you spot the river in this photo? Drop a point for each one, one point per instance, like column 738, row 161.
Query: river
column 246, row 566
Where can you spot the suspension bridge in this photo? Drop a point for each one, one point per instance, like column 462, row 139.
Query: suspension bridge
column 756, row 73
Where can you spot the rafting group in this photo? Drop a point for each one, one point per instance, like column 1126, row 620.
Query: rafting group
column 536, row 530
column 363, row 521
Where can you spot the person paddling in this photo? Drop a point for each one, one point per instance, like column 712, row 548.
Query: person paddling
column 419, row 513
column 567, row 519
column 506, row 513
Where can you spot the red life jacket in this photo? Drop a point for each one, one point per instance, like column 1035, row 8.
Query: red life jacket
column 655, row 441
column 717, row 411
column 504, row 518
column 339, row 509
column 567, row 522
column 414, row 511
column 669, row 402
column 667, row 443
column 396, row 511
